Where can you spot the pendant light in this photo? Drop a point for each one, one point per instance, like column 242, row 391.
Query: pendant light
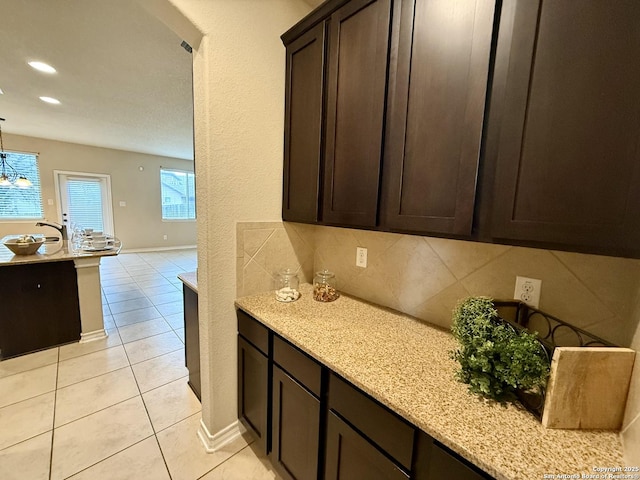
column 9, row 176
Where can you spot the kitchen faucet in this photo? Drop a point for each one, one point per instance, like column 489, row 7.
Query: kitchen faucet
column 61, row 228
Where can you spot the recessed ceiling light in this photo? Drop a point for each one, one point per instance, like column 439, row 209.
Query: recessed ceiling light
column 42, row 67
column 55, row 101
column 1, row 92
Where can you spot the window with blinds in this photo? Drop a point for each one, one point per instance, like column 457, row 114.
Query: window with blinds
column 22, row 203
column 85, row 202
column 177, row 189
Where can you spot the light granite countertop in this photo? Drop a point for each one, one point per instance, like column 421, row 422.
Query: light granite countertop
column 405, row 364
column 51, row 252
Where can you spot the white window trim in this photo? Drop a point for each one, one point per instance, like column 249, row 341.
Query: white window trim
column 175, row 220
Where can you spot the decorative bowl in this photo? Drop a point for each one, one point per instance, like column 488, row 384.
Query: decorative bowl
column 24, row 248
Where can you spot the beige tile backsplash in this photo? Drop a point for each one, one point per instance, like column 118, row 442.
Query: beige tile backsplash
column 264, row 248
column 425, row 277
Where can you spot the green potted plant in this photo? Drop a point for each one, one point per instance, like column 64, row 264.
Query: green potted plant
column 496, row 360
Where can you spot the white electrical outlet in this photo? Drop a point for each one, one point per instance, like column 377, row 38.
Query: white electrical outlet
column 361, row 257
column 164, row 237
column 528, row 290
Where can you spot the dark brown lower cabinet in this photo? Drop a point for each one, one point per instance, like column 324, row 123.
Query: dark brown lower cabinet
column 192, row 338
column 315, row 425
column 351, row 457
column 43, row 308
column 434, row 461
column 253, row 393
column 296, row 428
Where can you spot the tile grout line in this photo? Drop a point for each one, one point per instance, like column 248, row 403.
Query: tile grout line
column 58, row 360
column 153, row 428
column 101, row 409
column 108, row 457
column 53, row 420
column 583, row 284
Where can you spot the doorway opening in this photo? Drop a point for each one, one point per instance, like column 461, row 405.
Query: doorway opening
column 84, row 200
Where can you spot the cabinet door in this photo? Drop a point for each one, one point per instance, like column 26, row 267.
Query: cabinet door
column 433, row 461
column 351, row 457
column 192, row 338
column 303, row 126
column 358, row 48
column 383, row 428
column 296, row 428
column 29, row 322
column 253, row 372
column 567, row 160
column 437, row 91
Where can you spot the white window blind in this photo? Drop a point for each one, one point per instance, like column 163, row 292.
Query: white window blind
column 22, row 203
column 85, row 202
column 177, row 189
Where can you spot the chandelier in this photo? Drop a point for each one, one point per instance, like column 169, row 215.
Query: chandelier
column 9, row 176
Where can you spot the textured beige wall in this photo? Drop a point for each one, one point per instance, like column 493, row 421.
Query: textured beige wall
column 239, row 120
column 139, row 224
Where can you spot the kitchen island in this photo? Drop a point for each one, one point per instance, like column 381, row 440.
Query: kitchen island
column 51, row 297
column 405, row 364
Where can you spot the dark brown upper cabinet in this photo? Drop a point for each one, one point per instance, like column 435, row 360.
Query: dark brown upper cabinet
column 356, row 80
column 437, row 90
column 568, row 111
column 390, row 126
column 303, row 126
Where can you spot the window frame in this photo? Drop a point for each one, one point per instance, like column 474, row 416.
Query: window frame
column 162, row 196
column 38, row 184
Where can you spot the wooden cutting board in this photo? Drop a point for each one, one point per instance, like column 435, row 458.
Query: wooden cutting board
column 588, row 387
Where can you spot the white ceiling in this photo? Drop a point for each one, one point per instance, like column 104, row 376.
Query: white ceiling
column 123, row 79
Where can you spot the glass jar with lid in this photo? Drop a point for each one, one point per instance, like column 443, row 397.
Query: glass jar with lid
column 324, row 286
column 287, row 284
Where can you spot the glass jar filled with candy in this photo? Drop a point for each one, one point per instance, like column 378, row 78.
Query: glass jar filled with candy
column 324, row 286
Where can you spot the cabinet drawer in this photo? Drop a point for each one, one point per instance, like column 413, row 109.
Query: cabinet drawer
column 384, row 428
column 253, row 331
column 299, row 365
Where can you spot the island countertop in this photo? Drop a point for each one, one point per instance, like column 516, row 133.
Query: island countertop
column 405, row 364
column 51, row 252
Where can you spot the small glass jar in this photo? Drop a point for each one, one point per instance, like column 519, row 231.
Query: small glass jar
column 324, row 286
column 287, row 284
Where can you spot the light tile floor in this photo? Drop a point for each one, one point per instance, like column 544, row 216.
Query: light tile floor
column 117, row 408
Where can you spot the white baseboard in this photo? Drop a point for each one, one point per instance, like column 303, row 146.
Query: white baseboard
column 215, row 442
column 92, row 336
column 157, row 249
